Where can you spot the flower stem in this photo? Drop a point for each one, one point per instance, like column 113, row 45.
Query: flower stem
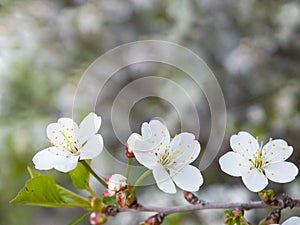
column 128, row 167
column 140, row 179
column 87, row 166
column 89, row 189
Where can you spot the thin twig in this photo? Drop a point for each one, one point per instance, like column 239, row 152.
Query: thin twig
column 202, row 206
column 87, row 166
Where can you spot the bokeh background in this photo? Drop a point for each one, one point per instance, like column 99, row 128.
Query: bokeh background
column 251, row 46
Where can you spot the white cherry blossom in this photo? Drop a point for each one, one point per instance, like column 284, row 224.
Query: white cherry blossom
column 70, row 143
column 168, row 160
column 257, row 163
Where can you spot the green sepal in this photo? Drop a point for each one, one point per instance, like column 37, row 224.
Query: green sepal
column 109, row 200
column 78, row 219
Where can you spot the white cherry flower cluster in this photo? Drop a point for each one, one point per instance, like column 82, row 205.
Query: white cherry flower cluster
column 257, row 163
column 70, row 144
column 168, row 159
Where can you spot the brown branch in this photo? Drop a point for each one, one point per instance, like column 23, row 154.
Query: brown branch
column 205, row 205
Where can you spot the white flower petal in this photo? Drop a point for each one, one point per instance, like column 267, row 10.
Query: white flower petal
column 281, row 172
column 254, row 180
column 92, row 148
column 234, row 164
column 138, row 143
column 44, row 159
column 117, row 182
column 66, row 164
column 67, row 130
column 146, row 130
column 244, row 143
column 146, row 158
column 163, row 180
column 54, row 134
column 277, row 151
column 89, row 126
column 188, row 179
column 187, row 148
column 157, row 140
column 292, row 221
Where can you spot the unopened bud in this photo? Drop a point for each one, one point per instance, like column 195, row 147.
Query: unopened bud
column 129, row 152
column 157, row 219
column 237, row 213
column 107, row 179
column 97, row 218
column 273, row 218
column 267, row 196
column 110, row 210
column 121, row 198
column 191, row 198
column 288, row 201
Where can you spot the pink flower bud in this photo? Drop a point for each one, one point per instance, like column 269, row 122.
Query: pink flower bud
column 108, row 193
column 107, row 179
column 97, row 218
column 129, row 152
column 157, row 219
column 121, row 198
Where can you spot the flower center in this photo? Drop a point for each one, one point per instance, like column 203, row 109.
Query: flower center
column 70, row 144
column 258, row 162
column 166, row 159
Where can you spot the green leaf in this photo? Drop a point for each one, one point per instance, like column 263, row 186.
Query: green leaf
column 110, row 200
column 80, row 177
column 78, row 219
column 43, row 191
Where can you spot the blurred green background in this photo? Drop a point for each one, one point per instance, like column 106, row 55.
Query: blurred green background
column 252, row 47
